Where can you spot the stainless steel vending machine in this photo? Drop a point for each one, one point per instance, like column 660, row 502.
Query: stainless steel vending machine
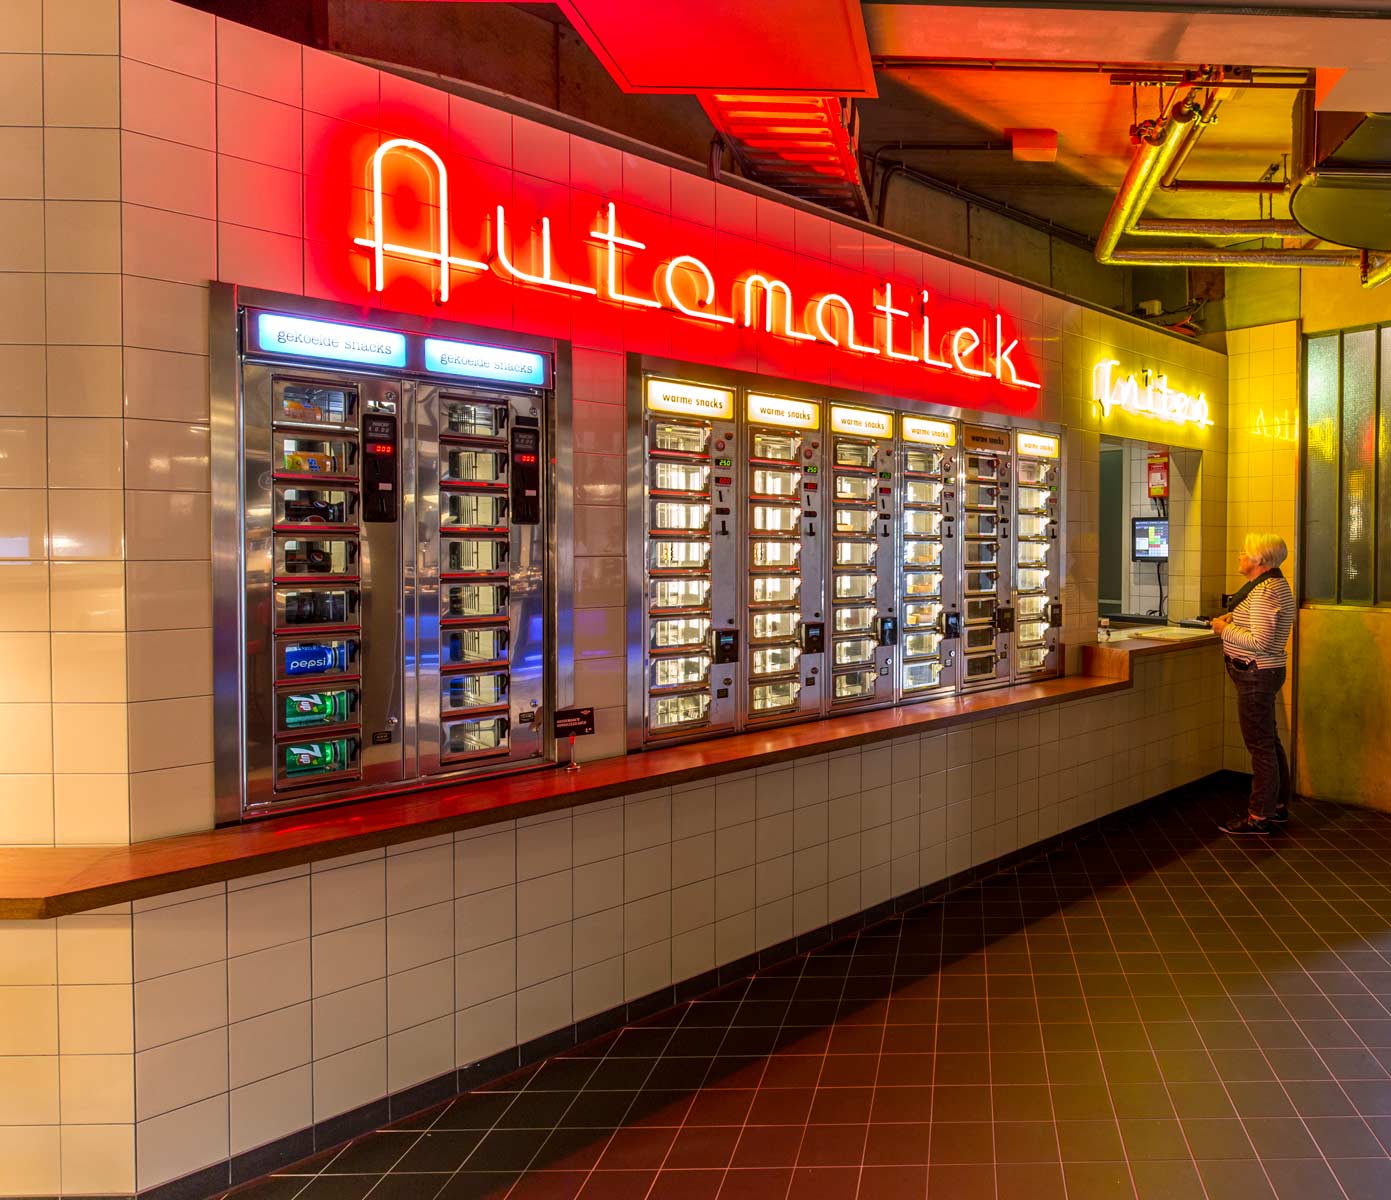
column 988, row 617
column 1037, row 569
column 394, row 609
column 864, row 615
column 930, row 557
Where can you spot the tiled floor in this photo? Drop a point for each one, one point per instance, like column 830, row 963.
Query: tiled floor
column 1161, row 1012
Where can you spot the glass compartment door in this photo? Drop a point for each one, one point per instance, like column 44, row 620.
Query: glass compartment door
column 1037, row 581
column 929, row 461
column 483, row 640
column 986, row 556
column 690, row 575
column 784, row 500
column 860, row 470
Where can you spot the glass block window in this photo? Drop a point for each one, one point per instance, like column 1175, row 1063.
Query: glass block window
column 1346, row 547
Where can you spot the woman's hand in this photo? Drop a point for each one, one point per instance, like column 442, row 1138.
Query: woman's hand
column 1221, row 623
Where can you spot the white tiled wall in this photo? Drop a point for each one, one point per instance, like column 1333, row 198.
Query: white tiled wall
column 145, row 1042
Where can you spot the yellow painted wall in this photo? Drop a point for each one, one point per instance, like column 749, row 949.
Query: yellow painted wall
column 1337, row 300
column 1262, row 471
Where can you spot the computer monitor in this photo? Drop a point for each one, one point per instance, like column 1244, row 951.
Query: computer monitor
column 1149, row 539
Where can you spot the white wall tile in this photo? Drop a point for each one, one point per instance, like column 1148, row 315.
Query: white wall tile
column 180, row 1004
column 98, row 1159
column 180, row 1073
column 180, row 936
column 347, row 957
column 419, row 877
column 484, row 918
column 420, row 995
column 349, row 1018
column 270, row 915
column 180, row 1142
column 93, row 1019
column 349, row 1080
column 421, row 935
column 348, row 896
column 271, row 1108
column 420, row 1053
column 485, row 1029
column 270, row 1044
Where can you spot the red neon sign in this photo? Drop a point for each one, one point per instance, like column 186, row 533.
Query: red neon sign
column 684, row 285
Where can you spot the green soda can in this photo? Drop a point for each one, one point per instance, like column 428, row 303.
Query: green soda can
column 317, row 758
column 315, row 708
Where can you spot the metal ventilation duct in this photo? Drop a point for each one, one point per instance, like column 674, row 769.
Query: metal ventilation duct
column 1344, row 189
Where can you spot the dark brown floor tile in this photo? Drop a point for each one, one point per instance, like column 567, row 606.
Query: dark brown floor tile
column 545, row 1185
column 1098, row 1181
column 1173, row 1180
column 1282, row 1138
column 824, row 1183
column 702, row 1148
column 833, row 1146
column 755, row 1184
column 686, row 1185
column 1303, row 1179
column 720, row 1108
column 792, row 1070
column 1207, row 1099
column 1030, row 1181
column 1240, row 1180
column 1082, row 1103
column 893, row 1183
column 768, row 1146
column 1344, row 1137
column 960, row 1182
column 898, row 1104
column 1364, row 1179
column 617, row 1185
column 1026, row 1142
column 1141, row 1100
column 1090, row 1141
column 841, row 1106
column 904, row 1070
column 1220, row 1140
column 1153, row 1139
column 637, row 1149
column 478, row 1185
column 899, row 1145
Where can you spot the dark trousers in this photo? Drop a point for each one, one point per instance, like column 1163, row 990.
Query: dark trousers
column 1256, row 693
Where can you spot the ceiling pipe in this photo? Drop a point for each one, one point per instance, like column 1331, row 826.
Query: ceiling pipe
column 1376, row 269
column 1209, row 257
column 1159, row 142
column 1227, row 185
column 1195, row 130
column 1214, row 228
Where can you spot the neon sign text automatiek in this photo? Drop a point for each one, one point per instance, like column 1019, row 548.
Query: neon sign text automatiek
column 683, row 284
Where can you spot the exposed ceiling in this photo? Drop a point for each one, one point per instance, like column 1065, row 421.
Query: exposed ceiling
column 1053, row 69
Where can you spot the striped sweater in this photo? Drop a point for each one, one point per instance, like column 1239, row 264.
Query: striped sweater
column 1261, row 623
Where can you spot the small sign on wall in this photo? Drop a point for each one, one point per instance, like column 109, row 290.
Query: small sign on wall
column 1159, row 475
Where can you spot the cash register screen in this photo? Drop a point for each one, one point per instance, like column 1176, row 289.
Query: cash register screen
column 1149, row 539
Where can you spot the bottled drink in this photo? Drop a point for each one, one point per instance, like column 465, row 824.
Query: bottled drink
column 317, row 758
column 316, row 708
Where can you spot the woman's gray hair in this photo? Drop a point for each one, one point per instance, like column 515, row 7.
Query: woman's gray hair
column 1267, row 549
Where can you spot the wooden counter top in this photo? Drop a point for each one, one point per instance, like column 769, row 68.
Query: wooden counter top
column 1111, row 660
column 41, row 881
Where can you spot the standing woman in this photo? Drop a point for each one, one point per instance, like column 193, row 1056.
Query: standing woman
column 1254, row 632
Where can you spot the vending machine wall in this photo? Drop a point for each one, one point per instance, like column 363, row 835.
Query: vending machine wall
column 1037, row 575
column 988, row 617
column 931, row 546
column 864, row 614
column 784, row 531
column 392, row 595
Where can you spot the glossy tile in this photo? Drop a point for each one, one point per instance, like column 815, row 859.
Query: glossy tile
column 98, row 1159
column 84, row 381
column 88, row 596
column 88, row 666
column 170, row 733
column 26, row 809
column 84, row 453
column 23, row 366
column 83, row 310
column 23, row 523
column 81, row 26
column 89, row 738
column 26, row 737
column 24, row 604
column 167, row 456
column 90, row 809
column 151, row 653
column 169, row 595
column 27, row 674
column 171, row 801
column 86, row 524
column 81, row 90
column 168, row 525
column 21, row 235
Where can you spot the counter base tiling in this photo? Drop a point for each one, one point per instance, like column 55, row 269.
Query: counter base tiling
column 267, row 990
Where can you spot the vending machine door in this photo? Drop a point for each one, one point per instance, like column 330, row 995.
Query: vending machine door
column 864, row 634
column 690, row 632
column 929, row 545
column 784, row 536
column 482, row 630
column 325, row 565
column 988, row 617
column 1037, row 565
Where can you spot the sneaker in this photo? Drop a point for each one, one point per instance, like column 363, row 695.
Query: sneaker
column 1280, row 817
column 1246, row 826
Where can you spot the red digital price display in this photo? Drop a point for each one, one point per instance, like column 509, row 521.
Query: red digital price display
column 527, row 460
column 381, row 448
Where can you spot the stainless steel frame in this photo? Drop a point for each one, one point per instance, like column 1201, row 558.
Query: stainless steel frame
column 1038, row 609
column 549, row 605
column 987, row 553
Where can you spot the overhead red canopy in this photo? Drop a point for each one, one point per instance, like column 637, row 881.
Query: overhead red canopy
column 812, row 47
